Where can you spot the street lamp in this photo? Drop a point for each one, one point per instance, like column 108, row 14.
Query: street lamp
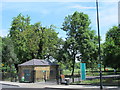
column 99, row 56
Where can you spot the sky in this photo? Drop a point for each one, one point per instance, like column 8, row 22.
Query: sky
column 50, row 12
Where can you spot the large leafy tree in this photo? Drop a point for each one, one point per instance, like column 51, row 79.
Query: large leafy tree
column 112, row 48
column 9, row 57
column 32, row 40
column 19, row 25
column 71, row 48
column 81, row 39
column 49, row 41
column 8, row 54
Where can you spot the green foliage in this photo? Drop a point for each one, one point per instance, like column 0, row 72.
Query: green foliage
column 81, row 39
column 8, row 54
column 19, row 25
column 77, row 65
column 32, row 41
column 112, row 48
column 9, row 57
column 106, row 81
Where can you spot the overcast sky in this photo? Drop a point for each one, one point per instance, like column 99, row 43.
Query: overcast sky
column 54, row 12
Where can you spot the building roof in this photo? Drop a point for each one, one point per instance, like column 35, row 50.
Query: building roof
column 37, row 62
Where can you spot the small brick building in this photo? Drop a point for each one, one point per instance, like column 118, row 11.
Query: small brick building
column 37, row 70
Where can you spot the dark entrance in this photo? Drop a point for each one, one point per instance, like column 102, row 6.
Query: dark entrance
column 27, row 75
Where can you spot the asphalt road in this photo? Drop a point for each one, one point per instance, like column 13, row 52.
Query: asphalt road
column 55, row 89
column 11, row 87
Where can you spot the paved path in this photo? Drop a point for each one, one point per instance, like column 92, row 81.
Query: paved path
column 9, row 86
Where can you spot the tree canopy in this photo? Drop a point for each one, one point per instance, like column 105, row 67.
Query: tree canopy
column 9, row 57
column 32, row 40
column 112, row 48
column 81, row 39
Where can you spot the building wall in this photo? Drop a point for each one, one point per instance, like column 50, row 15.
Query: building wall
column 21, row 71
column 53, row 72
column 41, row 72
column 45, row 72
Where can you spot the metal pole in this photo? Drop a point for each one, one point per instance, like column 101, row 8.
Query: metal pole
column 99, row 56
column 118, row 26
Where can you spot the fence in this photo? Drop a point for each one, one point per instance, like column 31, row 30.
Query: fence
column 9, row 76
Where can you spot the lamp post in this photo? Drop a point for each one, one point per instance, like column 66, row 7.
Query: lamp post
column 118, row 24
column 99, row 56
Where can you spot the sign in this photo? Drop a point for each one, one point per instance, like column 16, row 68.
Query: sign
column 44, row 71
column 2, row 64
column 83, row 71
column 98, row 65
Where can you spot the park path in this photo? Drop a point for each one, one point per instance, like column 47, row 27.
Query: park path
column 95, row 77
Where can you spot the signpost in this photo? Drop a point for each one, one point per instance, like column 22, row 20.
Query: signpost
column 83, row 71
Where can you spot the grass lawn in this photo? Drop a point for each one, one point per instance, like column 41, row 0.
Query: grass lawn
column 68, row 72
column 88, row 73
column 108, row 81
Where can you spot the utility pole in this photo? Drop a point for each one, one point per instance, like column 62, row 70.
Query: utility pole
column 119, row 14
column 99, row 56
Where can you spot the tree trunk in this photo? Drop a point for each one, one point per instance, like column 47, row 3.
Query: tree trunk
column 40, row 49
column 104, row 68
column 16, row 67
column 32, row 54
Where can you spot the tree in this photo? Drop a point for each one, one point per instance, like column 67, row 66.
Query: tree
column 17, row 34
column 112, row 48
column 9, row 58
column 80, row 37
column 8, row 54
column 49, row 41
column 32, row 40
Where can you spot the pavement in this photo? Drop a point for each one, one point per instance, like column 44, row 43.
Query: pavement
column 55, row 86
